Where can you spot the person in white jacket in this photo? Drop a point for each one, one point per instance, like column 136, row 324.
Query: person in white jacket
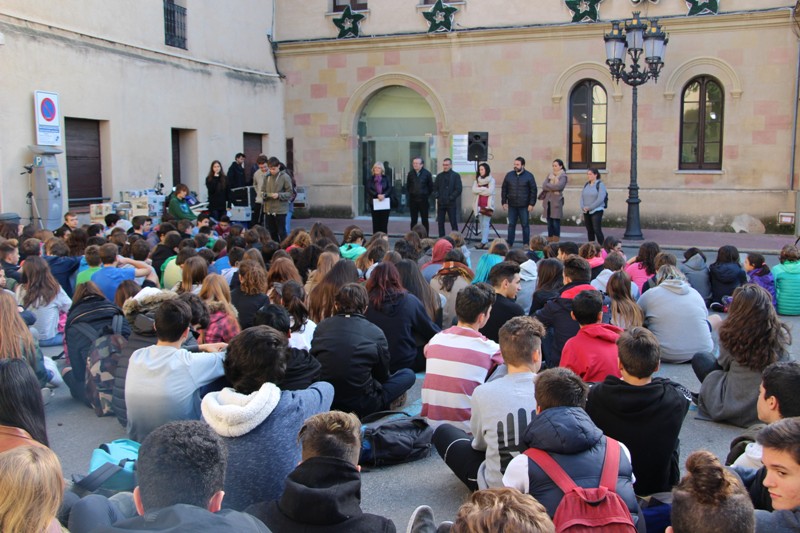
column 483, row 188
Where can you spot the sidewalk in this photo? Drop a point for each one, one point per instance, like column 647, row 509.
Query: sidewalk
column 681, row 240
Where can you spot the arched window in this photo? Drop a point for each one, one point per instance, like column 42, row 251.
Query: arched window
column 702, row 111
column 588, row 105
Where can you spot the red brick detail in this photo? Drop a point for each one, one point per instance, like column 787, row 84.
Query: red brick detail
column 319, row 90
column 391, row 57
column 337, row 61
column 365, row 73
column 302, row 119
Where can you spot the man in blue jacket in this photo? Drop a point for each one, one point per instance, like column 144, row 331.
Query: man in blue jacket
column 518, row 197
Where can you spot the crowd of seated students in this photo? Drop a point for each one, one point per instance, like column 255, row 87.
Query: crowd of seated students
column 236, row 343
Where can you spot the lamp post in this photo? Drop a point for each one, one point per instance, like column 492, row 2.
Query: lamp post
column 638, row 37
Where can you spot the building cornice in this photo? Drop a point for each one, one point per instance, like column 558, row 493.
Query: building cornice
column 675, row 25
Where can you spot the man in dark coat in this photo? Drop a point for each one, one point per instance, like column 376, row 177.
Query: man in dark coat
column 324, row 492
column 447, row 191
column 518, row 196
column 236, row 175
column 419, row 184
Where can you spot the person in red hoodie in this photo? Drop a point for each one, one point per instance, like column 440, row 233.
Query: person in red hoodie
column 592, row 353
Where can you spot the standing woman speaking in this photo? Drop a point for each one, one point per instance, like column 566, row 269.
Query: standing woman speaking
column 553, row 200
column 217, row 185
column 593, row 203
column 484, row 188
column 379, row 188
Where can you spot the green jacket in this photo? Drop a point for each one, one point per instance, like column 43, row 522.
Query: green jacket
column 787, row 287
column 281, row 184
column 180, row 209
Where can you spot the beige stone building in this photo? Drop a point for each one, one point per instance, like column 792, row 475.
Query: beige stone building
column 144, row 88
column 165, row 87
column 715, row 131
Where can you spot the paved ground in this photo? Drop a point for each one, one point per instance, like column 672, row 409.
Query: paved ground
column 395, row 491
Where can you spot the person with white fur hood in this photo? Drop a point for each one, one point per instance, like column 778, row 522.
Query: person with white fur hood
column 259, row 422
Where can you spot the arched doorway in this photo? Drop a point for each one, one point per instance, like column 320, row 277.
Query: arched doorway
column 395, row 126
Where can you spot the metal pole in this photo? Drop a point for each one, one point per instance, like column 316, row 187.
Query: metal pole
column 633, row 230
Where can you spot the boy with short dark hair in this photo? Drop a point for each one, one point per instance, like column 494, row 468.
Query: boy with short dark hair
column 178, row 206
column 592, row 353
column 644, row 412
column 324, row 491
column 181, row 474
column 459, row 359
column 781, row 456
column 505, row 280
column 113, row 272
column 163, row 381
column 563, row 430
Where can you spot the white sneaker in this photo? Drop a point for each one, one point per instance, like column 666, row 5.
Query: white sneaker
column 53, row 373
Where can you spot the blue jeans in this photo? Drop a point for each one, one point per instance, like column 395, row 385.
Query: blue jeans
column 553, row 227
column 396, row 385
column 58, row 340
column 289, row 214
column 485, row 221
column 521, row 214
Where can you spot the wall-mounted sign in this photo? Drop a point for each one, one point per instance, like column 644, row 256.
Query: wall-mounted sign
column 48, row 121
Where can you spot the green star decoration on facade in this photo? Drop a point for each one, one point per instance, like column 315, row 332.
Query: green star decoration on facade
column 348, row 23
column 702, row 7
column 584, row 10
column 440, row 17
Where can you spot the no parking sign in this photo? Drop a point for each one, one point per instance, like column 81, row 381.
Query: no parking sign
column 48, row 123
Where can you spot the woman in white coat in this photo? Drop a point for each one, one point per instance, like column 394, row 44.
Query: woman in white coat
column 483, row 187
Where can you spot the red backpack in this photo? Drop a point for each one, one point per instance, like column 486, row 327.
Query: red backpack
column 588, row 509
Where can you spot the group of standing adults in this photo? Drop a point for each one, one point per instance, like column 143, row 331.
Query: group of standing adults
column 518, row 197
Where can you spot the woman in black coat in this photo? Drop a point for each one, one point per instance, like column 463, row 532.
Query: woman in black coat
column 379, row 187
column 217, row 185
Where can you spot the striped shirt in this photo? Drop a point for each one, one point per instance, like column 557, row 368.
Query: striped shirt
column 458, row 360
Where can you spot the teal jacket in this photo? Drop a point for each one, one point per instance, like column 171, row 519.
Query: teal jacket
column 787, row 287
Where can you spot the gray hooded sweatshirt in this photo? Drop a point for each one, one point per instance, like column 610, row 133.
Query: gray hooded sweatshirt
column 677, row 316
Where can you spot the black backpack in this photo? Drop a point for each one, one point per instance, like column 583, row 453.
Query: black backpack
column 389, row 441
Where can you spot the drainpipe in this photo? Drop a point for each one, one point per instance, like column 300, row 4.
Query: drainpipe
column 794, row 142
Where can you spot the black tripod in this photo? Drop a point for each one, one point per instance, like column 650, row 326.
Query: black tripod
column 471, row 230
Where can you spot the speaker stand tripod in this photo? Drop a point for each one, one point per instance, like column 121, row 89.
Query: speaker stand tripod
column 471, row 229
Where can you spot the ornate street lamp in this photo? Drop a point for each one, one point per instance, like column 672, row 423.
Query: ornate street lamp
column 638, row 37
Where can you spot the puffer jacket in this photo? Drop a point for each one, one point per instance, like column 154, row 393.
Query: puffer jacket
column 579, row 447
column 725, row 277
column 98, row 313
column 518, row 190
column 697, row 274
column 787, row 287
column 140, row 314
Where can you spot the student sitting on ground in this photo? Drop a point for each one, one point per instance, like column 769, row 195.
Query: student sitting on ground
column 695, row 269
column 355, row 357
column 781, row 457
column 32, row 487
column 644, row 412
column 301, row 368
column 163, row 380
column 499, row 408
column 459, row 359
column 563, row 430
column 181, row 473
column 557, row 313
column 750, row 339
column 254, row 415
column 614, row 262
column 592, row 353
column 787, row 281
column 324, row 490
column 502, row 509
column 758, row 273
column 113, row 272
column 710, row 499
column 726, row 275
column 777, row 399
column 505, row 280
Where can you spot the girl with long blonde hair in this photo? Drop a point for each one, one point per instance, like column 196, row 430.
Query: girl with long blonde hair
column 625, row 313
column 16, row 340
column 32, row 486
